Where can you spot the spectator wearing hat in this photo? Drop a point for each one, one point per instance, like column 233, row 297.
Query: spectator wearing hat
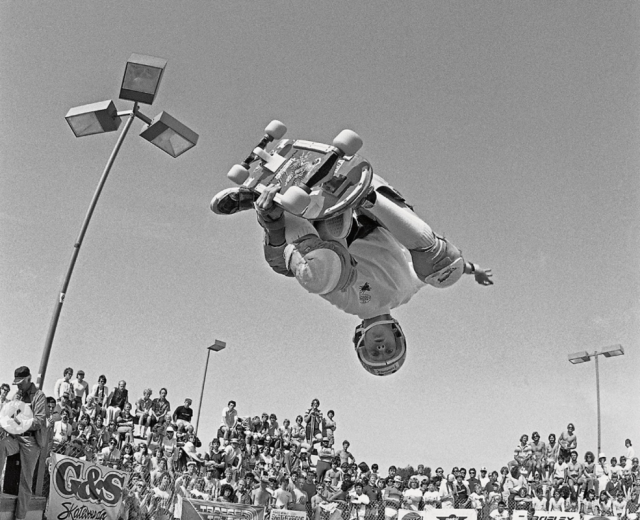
column 64, row 384
column 325, row 458
column 29, row 443
column 64, row 403
column 182, row 414
column 233, row 456
column 169, row 447
column 392, row 497
column 602, row 471
column 80, row 390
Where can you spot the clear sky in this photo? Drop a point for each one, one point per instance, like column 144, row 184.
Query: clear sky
column 513, row 127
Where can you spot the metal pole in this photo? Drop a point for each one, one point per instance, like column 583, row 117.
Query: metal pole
column 204, row 378
column 598, row 401
column 44, row 361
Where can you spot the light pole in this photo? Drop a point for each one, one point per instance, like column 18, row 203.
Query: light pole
column 139, row 84
column 216, row 347
column 582, row 357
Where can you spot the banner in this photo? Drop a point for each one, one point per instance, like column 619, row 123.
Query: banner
column 444, row 514
column 594, row 517
column 192, row 509
column 285, row 514
column 519, row 515
column 555, row 515
column 81, row 489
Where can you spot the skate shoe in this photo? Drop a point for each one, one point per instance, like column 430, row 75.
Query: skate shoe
column 232, row 200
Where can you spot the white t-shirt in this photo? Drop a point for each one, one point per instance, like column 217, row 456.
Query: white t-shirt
column 385, row 279
column 497, row 515
column 412, row 497
column 229, row 416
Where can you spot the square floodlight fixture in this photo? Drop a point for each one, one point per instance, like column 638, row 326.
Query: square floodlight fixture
column 142, row 77
column 95, row 118
column 579, row 357
column 218, row 346
column 613, row 351
column 169, row 134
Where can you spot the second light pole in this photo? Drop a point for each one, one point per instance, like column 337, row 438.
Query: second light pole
column 216, row 347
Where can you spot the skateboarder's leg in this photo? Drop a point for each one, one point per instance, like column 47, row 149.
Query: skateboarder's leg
column 391, row 210
column 429, row 252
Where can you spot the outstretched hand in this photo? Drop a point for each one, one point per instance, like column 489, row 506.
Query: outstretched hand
column 265, row 206
column 483, row 276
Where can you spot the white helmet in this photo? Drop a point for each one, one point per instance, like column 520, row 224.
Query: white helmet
column 381, row 368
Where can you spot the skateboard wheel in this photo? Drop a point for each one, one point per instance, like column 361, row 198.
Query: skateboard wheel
column 275, row 129
column 238, row 174
column 295, row 200
column 348, row 142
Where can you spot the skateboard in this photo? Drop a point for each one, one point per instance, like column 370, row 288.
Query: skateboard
column 317, row 181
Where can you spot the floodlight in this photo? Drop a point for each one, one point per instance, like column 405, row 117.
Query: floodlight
column 218, row 346
column 579, row 357
column 142, row 77
column 169, row 134
column 95, row 118
column 612, row 351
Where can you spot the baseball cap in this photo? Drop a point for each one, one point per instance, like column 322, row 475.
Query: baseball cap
column 397, row 478
column 483, row 468
column 192, row 463
column 170, row 429
column 20, row 374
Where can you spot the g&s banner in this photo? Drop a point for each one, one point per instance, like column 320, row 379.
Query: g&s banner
column 81, row 489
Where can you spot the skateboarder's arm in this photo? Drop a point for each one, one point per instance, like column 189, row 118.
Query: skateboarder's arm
column 482, row 276
column 271, row 219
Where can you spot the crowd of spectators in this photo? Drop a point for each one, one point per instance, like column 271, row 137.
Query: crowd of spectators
column 256, row 460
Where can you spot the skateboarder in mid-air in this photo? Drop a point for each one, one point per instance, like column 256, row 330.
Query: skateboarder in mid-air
column 365, row 262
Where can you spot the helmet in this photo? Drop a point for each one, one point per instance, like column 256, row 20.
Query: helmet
column 381, row 368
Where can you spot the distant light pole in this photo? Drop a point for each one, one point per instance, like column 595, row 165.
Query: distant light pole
column 216, row 347
column 140, row 84
column 582, row 357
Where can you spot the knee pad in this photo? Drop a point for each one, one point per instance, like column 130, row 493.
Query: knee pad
column 440, row 266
